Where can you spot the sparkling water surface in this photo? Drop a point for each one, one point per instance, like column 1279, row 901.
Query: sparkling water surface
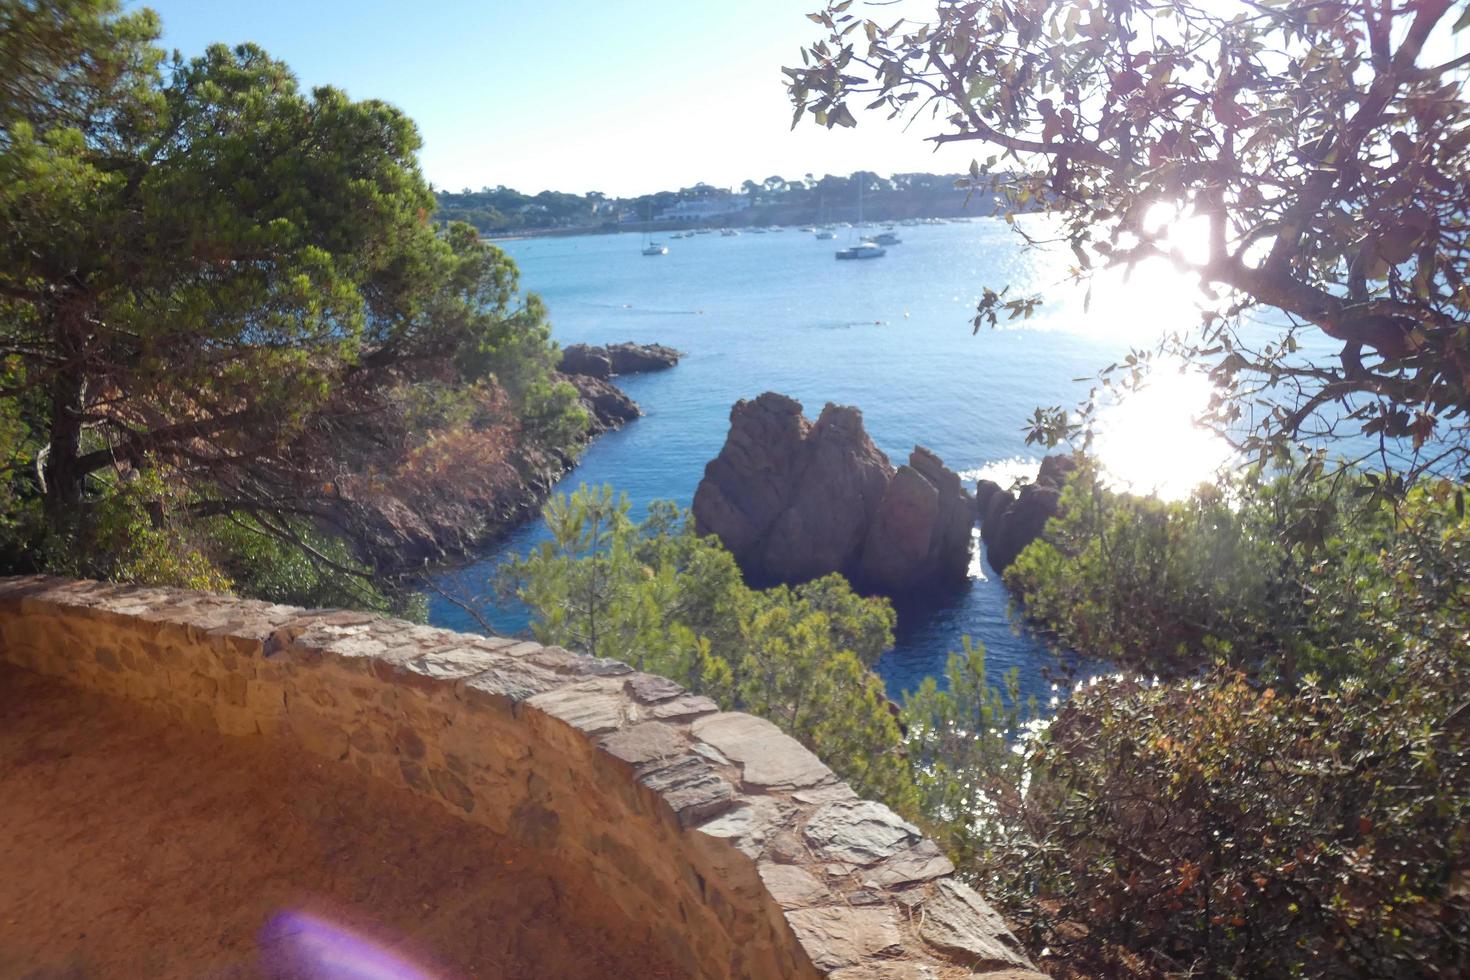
column 893, row 336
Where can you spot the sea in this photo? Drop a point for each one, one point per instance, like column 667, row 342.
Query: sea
column 893, row 336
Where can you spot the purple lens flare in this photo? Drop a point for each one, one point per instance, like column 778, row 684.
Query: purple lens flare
column 298, row 944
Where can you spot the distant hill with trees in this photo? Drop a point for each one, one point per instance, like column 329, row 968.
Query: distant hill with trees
column 775, row 200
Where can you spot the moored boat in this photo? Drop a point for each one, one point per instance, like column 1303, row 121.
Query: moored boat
column 862, row 250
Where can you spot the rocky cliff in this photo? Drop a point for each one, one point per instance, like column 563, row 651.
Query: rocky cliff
column 794, row 500
column 1010, row 521
column 406, row 527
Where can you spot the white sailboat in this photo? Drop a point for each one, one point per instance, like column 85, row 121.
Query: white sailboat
column 864, row 249
column 651, row 247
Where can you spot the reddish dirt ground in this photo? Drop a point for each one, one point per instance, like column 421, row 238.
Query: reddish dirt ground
column 133, row 848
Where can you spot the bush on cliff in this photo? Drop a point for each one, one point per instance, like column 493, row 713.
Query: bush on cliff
column 1294, row 797
column 1276, row 574
column 660, row 597
column 210, row 275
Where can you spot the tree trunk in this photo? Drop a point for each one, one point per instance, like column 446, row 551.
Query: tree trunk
column 68, row 406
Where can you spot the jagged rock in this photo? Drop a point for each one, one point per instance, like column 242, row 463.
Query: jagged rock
column 859, row 832
column 1021, row 524
column 626, row 358
column 607, row 406
column 1055, row 470
column 922, row 528
column 1009, row 522
column 993, row 511
column 985, row 490
column 833, row 502
column 793, row 500
column 959, row 922
column 586, row 361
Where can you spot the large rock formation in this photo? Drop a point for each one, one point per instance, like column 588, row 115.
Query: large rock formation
column 627, row 358
column 794, row 500
column 1010, row 521
column 922, row 529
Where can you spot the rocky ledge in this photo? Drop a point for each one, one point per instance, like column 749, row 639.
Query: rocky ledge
column 627, row 358
column 608, row 406
column 1010, row 521
column 794, row 500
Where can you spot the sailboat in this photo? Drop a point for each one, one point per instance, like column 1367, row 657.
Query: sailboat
column 823, row 232
column 864, row 249
column 651, row 247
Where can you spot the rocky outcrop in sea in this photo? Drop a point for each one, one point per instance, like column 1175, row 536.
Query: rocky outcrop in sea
column 626, row 358
column 793, row 500
column 1010, row 521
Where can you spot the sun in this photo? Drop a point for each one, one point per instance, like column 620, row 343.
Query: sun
column 1150, row 441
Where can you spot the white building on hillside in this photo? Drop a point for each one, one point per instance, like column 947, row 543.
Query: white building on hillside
column 703, row 208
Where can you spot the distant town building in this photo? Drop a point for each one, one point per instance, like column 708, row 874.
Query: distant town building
column 701, row 208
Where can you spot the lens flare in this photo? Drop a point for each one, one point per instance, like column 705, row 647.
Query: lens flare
column 297, row 944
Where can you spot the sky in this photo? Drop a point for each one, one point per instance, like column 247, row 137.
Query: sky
column 571, row 95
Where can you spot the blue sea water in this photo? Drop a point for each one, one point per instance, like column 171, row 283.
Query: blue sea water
column 893, row 336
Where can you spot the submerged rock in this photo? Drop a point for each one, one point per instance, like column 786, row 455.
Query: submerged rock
column 794, row 500
column 1011, row 521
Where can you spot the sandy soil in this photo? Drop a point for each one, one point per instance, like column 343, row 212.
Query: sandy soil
column 131, row 848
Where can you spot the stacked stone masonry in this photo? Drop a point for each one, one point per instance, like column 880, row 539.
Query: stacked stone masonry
column 725, row 842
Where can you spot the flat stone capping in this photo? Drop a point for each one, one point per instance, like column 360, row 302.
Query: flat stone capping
column 725, row 843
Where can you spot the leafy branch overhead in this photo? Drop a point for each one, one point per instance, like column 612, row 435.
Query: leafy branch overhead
column 1323, row 147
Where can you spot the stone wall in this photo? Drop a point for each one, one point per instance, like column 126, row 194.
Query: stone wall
column 722, row 841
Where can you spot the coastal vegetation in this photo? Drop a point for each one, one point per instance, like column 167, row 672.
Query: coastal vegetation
column 1276, row 784
column 1276, row 781
column 232, row 341
column 232, row 364
column 657, row 595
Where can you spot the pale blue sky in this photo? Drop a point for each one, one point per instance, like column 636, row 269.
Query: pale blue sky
column 572, row 95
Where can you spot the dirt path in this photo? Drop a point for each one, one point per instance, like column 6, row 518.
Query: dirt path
column 131, row 848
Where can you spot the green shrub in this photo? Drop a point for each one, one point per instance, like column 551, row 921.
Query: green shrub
column 660, row 597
